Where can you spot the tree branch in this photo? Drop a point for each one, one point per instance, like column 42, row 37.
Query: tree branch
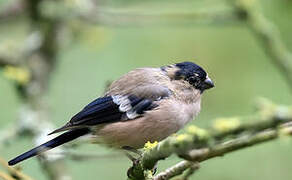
column 5, row 176
column 210, row 16
column 268, row 36
column 39, row 51
column 200, row 155
column 13, row 171
column 198, row 145
column 106, row 16
column 34, row 116
column 191, row 171
column 178, row 169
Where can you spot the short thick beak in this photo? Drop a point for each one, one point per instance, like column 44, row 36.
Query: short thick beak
column 208, row 84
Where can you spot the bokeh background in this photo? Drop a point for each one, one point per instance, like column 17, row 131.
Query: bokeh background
column 92, row 55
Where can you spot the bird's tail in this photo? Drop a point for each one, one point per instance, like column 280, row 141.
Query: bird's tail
column 63, row 138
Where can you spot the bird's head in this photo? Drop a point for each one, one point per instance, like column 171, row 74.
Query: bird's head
column 192, row 74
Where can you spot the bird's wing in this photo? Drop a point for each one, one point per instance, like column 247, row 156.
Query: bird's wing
column 113, row 108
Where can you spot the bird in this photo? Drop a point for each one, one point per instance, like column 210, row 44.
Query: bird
column 146, row 104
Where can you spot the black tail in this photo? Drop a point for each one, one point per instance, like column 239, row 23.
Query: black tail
column 63, row 138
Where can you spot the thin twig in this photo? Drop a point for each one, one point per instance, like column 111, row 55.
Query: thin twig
column 106, row 16
column 5, row 176
column 268, row 36
column 39, row 54
column 199, row 155
column 191, row 171
column 176, row 170
column 14, row 171
column 113, row 18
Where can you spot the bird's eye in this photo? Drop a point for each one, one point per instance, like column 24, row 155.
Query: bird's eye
column 193, row 80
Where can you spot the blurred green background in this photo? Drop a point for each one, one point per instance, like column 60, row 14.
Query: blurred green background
column 230, row 53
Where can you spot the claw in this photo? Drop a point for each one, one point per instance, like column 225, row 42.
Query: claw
column 129, row 150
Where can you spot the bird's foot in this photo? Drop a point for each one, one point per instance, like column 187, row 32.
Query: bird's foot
column 130, row 150
column 154, row 170
column 133, row 150
column 135, row 160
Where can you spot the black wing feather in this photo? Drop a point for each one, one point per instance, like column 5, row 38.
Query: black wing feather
column 105, row 110
column 97, row 110
column 143, row 106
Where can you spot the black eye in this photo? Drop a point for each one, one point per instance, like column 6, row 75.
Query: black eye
column 193, row 80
